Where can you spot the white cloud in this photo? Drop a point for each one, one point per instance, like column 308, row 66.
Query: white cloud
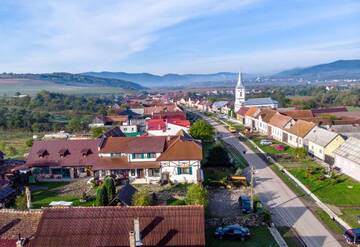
column 70, row 35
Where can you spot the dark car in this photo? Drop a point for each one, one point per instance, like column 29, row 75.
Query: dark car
column 232, row 232
column 352, row 236
column 245, row 204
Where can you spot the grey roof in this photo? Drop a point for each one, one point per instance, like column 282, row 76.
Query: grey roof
column 219, row 104
column 126, row 193
column 347, row 130
column 350, row 150
column 260, row 101
column 320, row 136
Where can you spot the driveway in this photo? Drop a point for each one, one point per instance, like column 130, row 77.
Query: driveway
column 223, row 202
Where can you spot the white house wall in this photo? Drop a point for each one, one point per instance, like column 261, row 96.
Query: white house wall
column 171, row 168
column 348, row 167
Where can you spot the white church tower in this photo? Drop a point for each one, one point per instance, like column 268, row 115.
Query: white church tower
column 239, row 94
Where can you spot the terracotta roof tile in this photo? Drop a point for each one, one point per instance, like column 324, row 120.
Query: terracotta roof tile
column 146, row 144
column 242, row 110
column 110, row 226
column 13, row 222
column 74, row 157
column 279, row 120
column 181, row 148
column 251, row 111
column 301, row 128
column 298, row 114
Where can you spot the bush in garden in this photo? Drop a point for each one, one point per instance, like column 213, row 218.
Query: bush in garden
column 196, row 194
column 109, row 184
column 102, row 196
column 218, row 156
column 142, row 198
column 20, row 202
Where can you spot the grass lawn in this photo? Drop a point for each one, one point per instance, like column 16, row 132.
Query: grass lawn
column 261, row 237
column 15, row 139
column 328, row 221
column 42, row 197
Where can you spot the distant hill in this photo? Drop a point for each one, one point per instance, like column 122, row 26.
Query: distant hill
column 75, row 80
column 341, row 69
column 171, row 80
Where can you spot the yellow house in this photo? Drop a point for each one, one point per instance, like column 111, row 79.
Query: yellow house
column 321, row 143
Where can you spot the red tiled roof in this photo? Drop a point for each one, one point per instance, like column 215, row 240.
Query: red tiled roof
column 183, row 123
column 170, row 115
column 242, row 110
column 146, row 144
column 317, row 112
column 182, row 148
column 110, row 226
column 279, row 120
column 156, row 124
column 13, row 222
column 251, row 111
column 301, row 128
column 298, row 114
column 54, row 148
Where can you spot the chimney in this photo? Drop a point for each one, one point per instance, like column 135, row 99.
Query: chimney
column 131, row 239
column 137, row 232
column 20, row 242
column 28, row 197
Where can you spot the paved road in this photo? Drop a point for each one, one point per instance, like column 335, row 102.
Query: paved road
column 287, row 209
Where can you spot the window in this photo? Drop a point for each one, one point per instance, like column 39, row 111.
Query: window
column 153, row 172
column 132, row 172
column 151, row 155
column 137, row 156
column 184, row 170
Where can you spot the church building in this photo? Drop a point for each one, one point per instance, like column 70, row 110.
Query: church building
column 240, row 98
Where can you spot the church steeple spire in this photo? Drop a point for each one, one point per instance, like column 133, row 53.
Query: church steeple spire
column 239, row 82
column 239, row 93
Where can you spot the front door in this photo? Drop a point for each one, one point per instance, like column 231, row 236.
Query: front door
column 140, row 173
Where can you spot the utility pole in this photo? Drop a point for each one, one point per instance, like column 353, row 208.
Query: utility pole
column 252, row 173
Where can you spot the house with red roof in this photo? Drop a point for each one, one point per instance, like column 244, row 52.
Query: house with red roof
column 166, row 127
column 144, row 159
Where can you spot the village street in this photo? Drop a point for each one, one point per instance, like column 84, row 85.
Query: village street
column 287, row 209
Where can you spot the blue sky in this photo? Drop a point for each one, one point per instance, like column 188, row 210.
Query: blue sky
column 176, row 36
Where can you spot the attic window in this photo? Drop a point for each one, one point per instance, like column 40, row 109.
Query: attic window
column 63, row 152
column 86, row 151
column 42, row 152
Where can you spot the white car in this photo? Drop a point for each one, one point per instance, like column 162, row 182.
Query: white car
column 265, row 142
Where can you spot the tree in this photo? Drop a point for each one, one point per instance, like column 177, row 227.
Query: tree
column 10, row 151
column 142, row 198
column 196, row 194
column 20, row 202
column 102, row 196
column 202, row 130
column 218, row 156
column 29, row 142
column 97, row 131
column 109, row 184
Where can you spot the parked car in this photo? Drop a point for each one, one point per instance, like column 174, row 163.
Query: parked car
column 232, row 232
column 352, row 236
column 245, row 203
column 232, row 129
column 265, row 142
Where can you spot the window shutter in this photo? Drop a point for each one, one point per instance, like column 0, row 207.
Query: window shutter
column 190, row 170
column 179, row 171
column 142, row 156
column 133, row 156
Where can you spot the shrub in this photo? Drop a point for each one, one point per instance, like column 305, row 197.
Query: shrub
column 20, row 202
column 102, row 196
column 300, row 153
column 218, row 156
column 29, row 142
column 196, row 195
column 109, row 184
column 142, row 198
column 202, row 130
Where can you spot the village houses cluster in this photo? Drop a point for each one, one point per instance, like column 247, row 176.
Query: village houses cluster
column 331, row 135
